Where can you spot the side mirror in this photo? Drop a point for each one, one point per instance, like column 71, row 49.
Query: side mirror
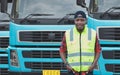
column 81, row 3
column 3, row 6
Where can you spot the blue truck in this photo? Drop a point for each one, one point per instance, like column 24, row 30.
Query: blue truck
column 36, row 31
column 104, row 17
column 4, row 41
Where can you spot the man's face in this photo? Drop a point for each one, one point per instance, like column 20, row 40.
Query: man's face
column 80, row 23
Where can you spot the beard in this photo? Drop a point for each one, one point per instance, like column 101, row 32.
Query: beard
column 80, row 28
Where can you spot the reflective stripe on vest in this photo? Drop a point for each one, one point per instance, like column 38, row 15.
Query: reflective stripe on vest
column 88, row 38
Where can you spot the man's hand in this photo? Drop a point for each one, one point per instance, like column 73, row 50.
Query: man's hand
column 69, row 68
column 91, row 68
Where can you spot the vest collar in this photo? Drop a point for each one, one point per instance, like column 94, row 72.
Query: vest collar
column 76, row 31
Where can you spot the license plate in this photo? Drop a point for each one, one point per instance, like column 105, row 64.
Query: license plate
column 51, row 72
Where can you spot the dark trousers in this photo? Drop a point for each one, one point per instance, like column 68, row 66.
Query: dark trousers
column 71, row 73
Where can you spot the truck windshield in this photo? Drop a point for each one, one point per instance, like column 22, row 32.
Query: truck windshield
column 4, row 19
column 4, row 22
column 57, row 7
column 105, row 9
column 4, row 16
column 103, row 5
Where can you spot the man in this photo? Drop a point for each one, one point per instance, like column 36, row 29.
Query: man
column 82, row 47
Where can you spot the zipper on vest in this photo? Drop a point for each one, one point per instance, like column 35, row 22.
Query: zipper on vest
column 80, row 52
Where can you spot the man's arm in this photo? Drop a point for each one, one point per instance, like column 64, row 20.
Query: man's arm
column 63, row 49
column 97, row 54
column 63, row 56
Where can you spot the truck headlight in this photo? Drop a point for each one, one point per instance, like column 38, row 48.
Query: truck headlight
column 14, row 58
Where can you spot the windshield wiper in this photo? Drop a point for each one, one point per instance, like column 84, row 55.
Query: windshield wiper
column 31, row 15
column 109, row 11
column 4, row 20
column 65, row 17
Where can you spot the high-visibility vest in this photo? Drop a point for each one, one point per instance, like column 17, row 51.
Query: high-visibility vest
column 80, row 60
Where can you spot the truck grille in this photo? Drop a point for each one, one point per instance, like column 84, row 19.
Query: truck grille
column 3, row 60
column 4, row 42
column 41, row 36
column 109, row 33
column 41, row 54
column 2, row 52
column 113, row 68
column 45, row 65
column 3, row 71
column 111, row 54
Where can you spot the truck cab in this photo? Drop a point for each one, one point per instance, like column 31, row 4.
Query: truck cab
column 104, row 17
column 36, row 31
column 4, row 40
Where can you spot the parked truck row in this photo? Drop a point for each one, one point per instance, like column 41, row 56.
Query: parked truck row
column 38, row 26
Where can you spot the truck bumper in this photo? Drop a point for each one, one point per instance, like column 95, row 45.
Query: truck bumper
column 32, row 73
column 25, row 73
